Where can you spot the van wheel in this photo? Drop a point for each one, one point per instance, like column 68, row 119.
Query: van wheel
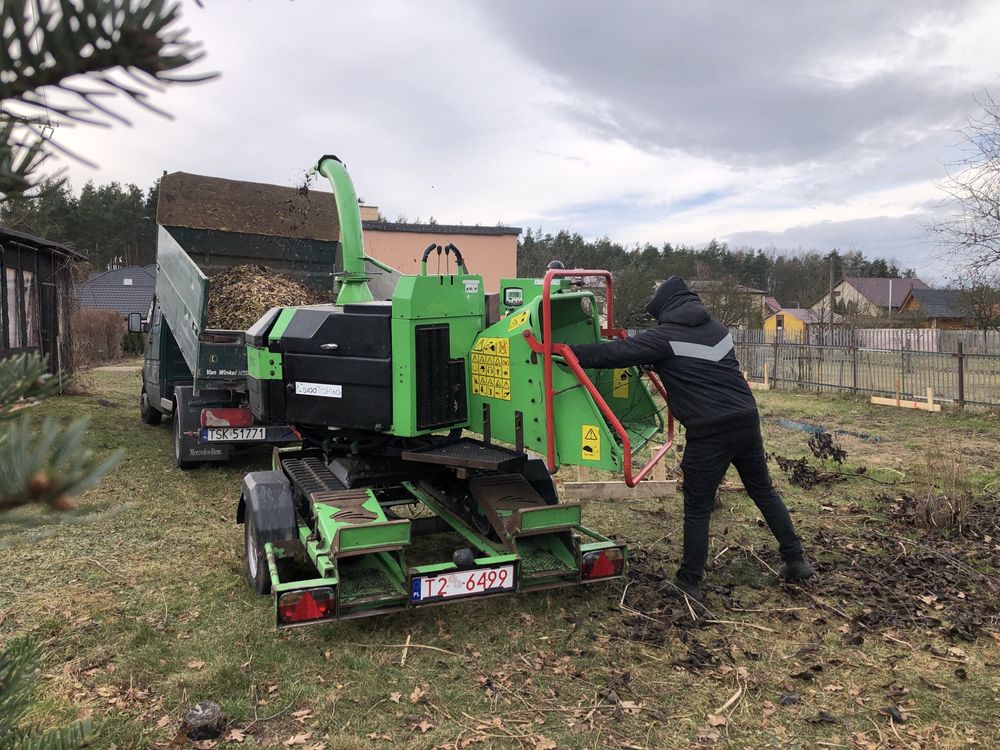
column 180, row 464
column 149, row 415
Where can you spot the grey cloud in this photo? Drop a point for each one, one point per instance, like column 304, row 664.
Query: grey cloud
column 902, row 238
column 737, row 82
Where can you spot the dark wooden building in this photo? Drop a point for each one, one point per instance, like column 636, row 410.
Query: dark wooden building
column 36, row 297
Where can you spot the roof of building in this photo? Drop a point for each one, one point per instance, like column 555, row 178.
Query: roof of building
column 772, row 304
column 141, row 276
column 123, row 299
column 392, row 226
column 810, row 317
column 940, row 303
column 125, row 290
column 39, row 243
column 876, row 289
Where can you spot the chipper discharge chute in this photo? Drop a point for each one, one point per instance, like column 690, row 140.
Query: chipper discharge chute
column 390, row 503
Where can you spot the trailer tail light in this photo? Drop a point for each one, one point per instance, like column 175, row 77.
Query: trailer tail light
column 226, row 417
column 603, row 563
column 305, row 606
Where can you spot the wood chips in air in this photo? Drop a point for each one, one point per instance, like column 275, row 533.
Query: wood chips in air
column 240, row 295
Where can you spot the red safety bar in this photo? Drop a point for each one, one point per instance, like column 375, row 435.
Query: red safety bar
column 547, row 348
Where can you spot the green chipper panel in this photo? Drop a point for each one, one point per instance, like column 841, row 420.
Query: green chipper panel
column 429, row 436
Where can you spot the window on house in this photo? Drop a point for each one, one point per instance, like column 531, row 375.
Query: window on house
column 779, row 321
column 127, row 282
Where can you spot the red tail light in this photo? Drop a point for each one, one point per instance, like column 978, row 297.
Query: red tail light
column 603, row 563
column 305, row 606
column 226, row 417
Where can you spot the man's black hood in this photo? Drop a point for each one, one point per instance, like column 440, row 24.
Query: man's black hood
column 673, row 302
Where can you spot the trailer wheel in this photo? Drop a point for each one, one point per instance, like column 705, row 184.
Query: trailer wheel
column 254, row 559
column 178, row 462
column 149, row 415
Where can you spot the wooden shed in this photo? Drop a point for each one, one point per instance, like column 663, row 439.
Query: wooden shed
column 36, row 297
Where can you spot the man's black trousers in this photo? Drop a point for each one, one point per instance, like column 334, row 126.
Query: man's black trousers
column 704, row 465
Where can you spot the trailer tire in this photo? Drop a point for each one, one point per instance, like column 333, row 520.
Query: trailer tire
column 148, row 414
column 254, row 559
column 178, row 462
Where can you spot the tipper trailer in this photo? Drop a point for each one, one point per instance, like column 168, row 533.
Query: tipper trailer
column 195, row 374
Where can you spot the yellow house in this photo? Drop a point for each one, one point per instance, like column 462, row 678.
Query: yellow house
column 792, row 324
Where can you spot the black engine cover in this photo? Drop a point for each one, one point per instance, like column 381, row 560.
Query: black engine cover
column 337, row 367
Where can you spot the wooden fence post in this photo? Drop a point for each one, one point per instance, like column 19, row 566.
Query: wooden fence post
column 854, row 368
column 961, row 376
column 775, row 359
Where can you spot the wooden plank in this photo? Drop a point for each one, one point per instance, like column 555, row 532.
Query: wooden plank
column 659, row 471
column 765, row 386
column 618, row 491
column 923, row 405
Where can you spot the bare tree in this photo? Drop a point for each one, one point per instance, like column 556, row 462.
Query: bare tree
column 970, row 233
column 981, row 299
column 633, row 288
column 730, row 302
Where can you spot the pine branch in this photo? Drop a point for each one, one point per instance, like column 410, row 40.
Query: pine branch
column 18, row 677
column 48, row 48
column 24, row 377
column 48, row 465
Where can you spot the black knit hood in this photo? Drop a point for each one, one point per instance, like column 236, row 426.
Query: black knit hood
column 673, row 302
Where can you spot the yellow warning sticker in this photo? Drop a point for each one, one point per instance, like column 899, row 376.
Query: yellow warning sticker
column 491, row 368
column 591, row 443
column 620, row 383
column 518, row 320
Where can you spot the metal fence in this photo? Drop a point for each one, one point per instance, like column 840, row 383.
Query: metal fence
column 959, row 378
column 912, row 339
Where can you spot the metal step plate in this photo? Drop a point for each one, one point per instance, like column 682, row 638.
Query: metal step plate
column 467, row 453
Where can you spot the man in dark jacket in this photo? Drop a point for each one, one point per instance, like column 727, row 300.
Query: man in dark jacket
column 693, row 354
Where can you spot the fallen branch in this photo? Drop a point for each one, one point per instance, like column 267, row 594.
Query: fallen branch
column 407, row 645
column 742, row 624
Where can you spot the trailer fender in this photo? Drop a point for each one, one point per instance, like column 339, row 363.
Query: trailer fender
column 267, row 495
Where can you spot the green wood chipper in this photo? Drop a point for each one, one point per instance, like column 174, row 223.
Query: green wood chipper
column 429, row 435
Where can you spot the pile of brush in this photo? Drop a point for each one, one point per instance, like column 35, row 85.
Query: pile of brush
column 240, row 295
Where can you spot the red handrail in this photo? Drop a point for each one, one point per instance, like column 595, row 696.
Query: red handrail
column 547, row 348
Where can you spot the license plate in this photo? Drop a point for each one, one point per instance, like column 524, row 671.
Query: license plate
column 462, row 583
column 232, row 434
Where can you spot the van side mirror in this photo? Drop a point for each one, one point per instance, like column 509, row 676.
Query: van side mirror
column 134, row 322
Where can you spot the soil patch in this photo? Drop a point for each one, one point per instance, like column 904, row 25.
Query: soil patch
column 936, row 580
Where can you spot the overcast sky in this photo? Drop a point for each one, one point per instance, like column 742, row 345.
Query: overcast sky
column 812, row 125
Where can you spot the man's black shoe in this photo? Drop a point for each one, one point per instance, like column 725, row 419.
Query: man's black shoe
column 692, row 590
column 796, row 570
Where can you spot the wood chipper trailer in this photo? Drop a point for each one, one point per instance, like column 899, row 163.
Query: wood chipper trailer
column 420, row 478
column 195, row 373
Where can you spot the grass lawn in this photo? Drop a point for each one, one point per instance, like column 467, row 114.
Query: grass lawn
column 139, row 599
